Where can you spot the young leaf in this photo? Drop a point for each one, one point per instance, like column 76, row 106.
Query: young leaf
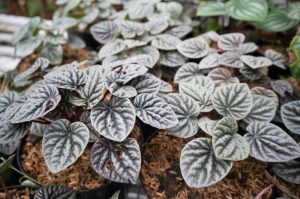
column 86, row 119
column 289, row 171
column 171, row 59
column 165, row 42
column 210, row 8
column 131, row 29
column 147, row 83
column 256, row 62
column 193, row 48
column 265, row 92
column 231, row 59
column 112, row 48
column 227, row 143
column 180, row 31
column 277, row 58
column 115, row 119
column 55, row 191
column 222, row 76
column 13, row 132
column 199, row 166
column 9, row 147
column 40, row 102
column 207, row 125
column 105, row 31
column 282, row 87
column 234, row 100
column 270, row 143
column 186, row 110
column 54, row 53
column 187, row 72
column 290, row 114
column 154, row 111
column 63, row 143
column 119, row 162
column 210, row 61
column 231, row 41
column 247, row 10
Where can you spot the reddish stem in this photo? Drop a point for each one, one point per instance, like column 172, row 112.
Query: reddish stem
column 262, row 192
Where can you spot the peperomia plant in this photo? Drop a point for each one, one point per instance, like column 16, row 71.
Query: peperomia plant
column 75, row 104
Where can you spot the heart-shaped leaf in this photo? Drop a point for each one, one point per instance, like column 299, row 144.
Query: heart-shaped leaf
column 186, row 110
column 256, row 62
column 207, row 125
column 115, row 119
column 105, row 31
column 247, row 10
column 263, row 109
column 119, row 162
column 248, row 47
column 187, row 72
column 9, row 147
column 222, row 76
column 139, row 9
column 63, row 143
column 127, row 72
column 40, row 102
column 204, row 81
column 131, row 29
column 227, row 143
column 265, row 92
column 156, row 26
column 231, row 59
column 234, row 100
column 210, row 61
column 147, row 83
column 210, row 8
column 153, row 57
column 171, row 59
column 199, row 166
column 193, row 48
column 155, row 111
column 54, row 53
column 199, row 93
column 290, row 114
column 13, row 132
column 68, row 79
column 6, row 99
column 270, row 143
column 55, row 192
column 86, row 119
column 165, row 42
column 180, row 31
column 289, row 171
column 282, row 87
column 231, row 41
column 112, row 48
column 277, row 58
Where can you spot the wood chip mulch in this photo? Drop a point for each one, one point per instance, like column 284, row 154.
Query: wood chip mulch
column 17, row 194
column 162, row 179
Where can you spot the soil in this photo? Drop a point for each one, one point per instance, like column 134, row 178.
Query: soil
column 26, row 193
column 162, row 179
column 79, row 176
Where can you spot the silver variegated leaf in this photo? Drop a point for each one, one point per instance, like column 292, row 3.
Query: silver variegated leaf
column 63, row 143
column 140, row 9
column 199, row 166
column 248, row 47
column 199, row 93
column 210, row 61
column 187, row 111
column 277, row 58
column 147, row 83
column 112, row 48
column 115, row 119
column 119, row 162
column 127, row 72
column 290, row 114
column 11, row 110
column 156, row 26
column 121, row 91
column 231, row 41
column 155, row 111
column 40, row 102
column 12, row 132
column 227, row 143
column 55, row 191
column 172, row 8
column 165, row 42
column 269, row 143
column 222, row 76
column 180, row 31
column 132, row 43
column 68, row 79
column 263, row 109
column 231, row 59
column 54, row 53
column 9, row 147
column 282, row 87
column 105, row 31
column 28, row 45
column 131, row 29
column 265, row 92
column 203, row 81
column 289, row 171
column 153, row 53
column 234, row 100
column 38, row 129
column 207, row 125
column 256, row 62
column 86, row 119
column 171, row 59
column 193, row 48
column 165, row 87
column 250, row 73
column 6, row 99
column 187, row 72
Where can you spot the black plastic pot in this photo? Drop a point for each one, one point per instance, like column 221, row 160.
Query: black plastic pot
column 87, row 38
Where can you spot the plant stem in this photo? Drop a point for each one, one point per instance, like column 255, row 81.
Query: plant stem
column 262, row 192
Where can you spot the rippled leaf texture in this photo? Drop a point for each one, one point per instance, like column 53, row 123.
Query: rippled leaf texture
column 171, row 59
column 265, row 92
column 155, row 111
column 119, row 162
column 199, row 93
column 290, row 114
column 187, row 72
column 282, row 87
column 67, row 79
column 165, row 87
column 40, row 63
column 38, row 129
column 105, row 31
column 11, row 110
column 180, row 31
column 6, row 99
column 222, row 76
column 277, row 58
column 247, row 10
column 270, row 143
column 12, row 132
column 193, row 48
column 156, row 26
column 165, row 42
column 289, row 171
column 263, row 109
column 153, row 57
column 147, row 83
column 227, row 143
column 121, row 91
column 231, row 59
column 115, row 119
column 112, row 48
column 131, row 43
column 231, row 41
column 187, row 111
column 139, row 9
column 92, row 91
column 199, row 165
column 173, row 8
column 234, row 100
column 256, row 62
column 250, row 73
column 210, row 61
column 40, row 102
column 9, row 147
column 131, row 29
column 248, row 47
column 204, row 81
column 55, row 192
column 63, row 143
column 207, row 125
column 86, row 119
